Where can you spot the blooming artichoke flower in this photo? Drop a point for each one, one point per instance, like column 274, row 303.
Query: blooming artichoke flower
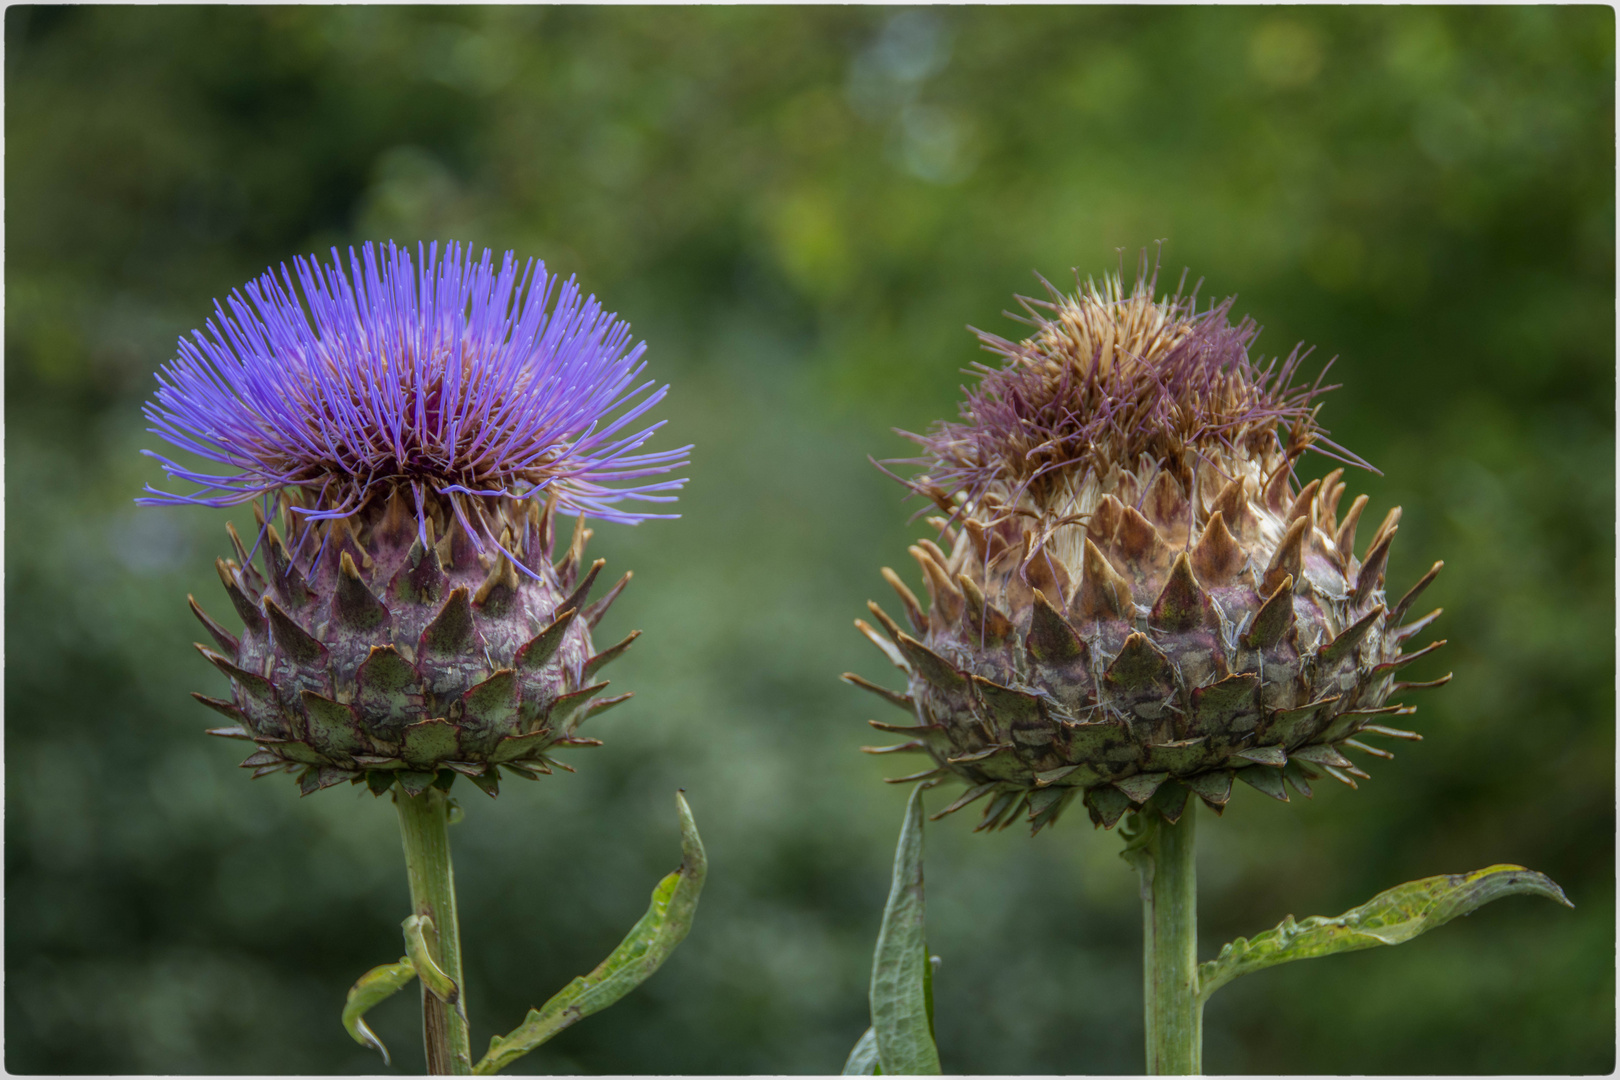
column 417, row 427
column 1136, row 598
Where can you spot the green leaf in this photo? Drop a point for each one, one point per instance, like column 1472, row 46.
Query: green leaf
column 439, row 984
column 1396, row 915
column 863, row 1060
column 902, row 990
column 644, row 949
column 375, row 986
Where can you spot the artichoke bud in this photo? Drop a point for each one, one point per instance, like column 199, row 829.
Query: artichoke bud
column 1132, row 597
column 377, row 649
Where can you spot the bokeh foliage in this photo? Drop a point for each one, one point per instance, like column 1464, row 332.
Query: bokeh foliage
column 799, row 209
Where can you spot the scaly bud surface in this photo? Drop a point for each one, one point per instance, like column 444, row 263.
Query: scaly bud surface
column 369, row 655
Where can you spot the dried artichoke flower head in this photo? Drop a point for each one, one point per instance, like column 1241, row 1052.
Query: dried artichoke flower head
column 1135, row 598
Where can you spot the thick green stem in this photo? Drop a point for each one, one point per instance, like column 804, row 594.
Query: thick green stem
column 1174, row 1015
column 424, row 827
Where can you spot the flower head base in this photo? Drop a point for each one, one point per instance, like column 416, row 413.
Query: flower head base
column 445, row 377
column 1135, row 600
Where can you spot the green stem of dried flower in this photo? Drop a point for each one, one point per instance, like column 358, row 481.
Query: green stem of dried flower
column 1163, row 854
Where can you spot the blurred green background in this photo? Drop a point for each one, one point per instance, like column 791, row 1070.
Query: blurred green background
column 800, row 209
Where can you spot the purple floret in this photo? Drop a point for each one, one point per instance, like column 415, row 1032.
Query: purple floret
column 444, row 376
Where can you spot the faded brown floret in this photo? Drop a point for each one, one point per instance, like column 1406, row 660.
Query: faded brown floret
column 1109, row 378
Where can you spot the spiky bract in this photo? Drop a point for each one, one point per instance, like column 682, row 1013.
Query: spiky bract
column 444, row 376
column 1139, row 600
column 369, row 654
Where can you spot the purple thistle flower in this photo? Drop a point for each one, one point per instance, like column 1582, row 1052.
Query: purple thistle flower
column 446, row 377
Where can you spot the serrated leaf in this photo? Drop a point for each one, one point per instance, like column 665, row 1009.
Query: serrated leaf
column 371, row 989
column 863, row 1059
column 1390, row 918
column 642, row 952
column 901, row 994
